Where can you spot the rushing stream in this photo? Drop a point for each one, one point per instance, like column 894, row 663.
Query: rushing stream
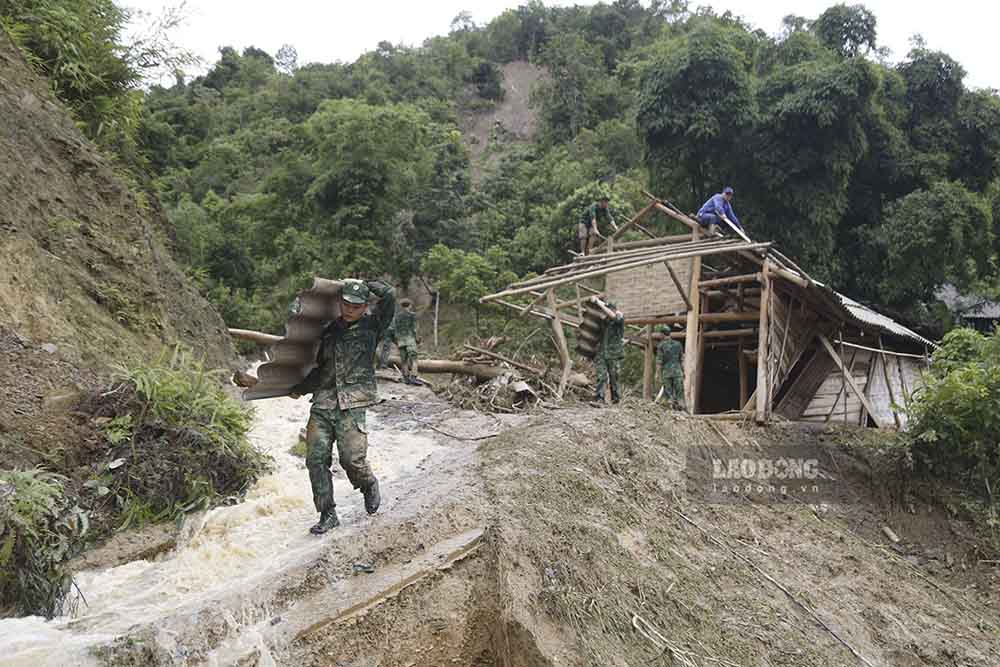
column 218, row 552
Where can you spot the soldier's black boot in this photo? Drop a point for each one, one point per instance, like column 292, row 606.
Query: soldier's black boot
column 373, row 498
column 327, row 521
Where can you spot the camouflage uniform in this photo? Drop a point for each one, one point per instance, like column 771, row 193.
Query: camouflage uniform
column 608, row 361
column 342, row 386
column 405, row 326
column 668, row 355
column 387, row 342
column 594, row 211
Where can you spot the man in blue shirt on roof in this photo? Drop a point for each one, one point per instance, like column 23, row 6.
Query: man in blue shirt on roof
column 718, row 209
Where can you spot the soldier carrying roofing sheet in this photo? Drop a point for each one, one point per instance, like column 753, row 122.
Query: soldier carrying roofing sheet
column 342, row 387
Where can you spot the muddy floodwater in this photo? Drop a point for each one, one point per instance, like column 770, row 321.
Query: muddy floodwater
column 225, row 552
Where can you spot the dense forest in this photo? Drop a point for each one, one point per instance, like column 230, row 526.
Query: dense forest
column 882, row 179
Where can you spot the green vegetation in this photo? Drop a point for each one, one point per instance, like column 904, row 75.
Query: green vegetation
column 881, row 179
column 956, row 416
column 39, row 530
column 179, row 441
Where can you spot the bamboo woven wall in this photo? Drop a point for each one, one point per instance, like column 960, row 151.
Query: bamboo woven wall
column 648, row 290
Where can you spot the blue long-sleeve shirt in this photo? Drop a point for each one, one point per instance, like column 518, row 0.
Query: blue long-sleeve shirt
column 718, row 205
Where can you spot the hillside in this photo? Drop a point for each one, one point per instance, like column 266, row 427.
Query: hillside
column 87, row 265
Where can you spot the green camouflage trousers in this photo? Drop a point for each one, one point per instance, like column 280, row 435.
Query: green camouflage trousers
column 608, row 371
column 408, row 355
column 346, row 428
column 673, row 388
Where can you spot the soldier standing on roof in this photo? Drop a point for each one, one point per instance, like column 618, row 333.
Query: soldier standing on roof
column 669, row 354
column 342, row 386
column 717, row 210
column 587, row 228
column 405, row 326
column 610, row 352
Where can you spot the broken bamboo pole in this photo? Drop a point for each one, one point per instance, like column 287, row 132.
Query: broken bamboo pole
column 575, row 379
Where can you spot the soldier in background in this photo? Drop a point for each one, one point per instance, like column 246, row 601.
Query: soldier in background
column 587, row 228
column 342, row 387
column 610, row 352
column 388, row 340
column 405, row 331
column 669, row 355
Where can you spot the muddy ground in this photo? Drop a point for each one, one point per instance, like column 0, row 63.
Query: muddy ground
column 566, row 537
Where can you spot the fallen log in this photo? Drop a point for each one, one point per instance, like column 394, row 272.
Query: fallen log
column 479, row 371
column 255, row 336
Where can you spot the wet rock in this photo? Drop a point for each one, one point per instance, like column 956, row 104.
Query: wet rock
column 50, row 348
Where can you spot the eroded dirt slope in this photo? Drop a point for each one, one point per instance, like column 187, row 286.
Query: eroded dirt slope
column 85, row 261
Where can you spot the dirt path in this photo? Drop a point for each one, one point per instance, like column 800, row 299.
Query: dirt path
column 238, row 566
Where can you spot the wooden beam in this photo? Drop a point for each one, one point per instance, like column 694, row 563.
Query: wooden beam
column 705, row 318
column 790, row 277
column 763, row 348
column 527, row 309
column 850, row 380
column 647, row 366
column 563, row 348
column 624, row 228
column 692, row 366
column 744, row 375
column 678, row 216
column 730, row 280
column 717, row 333
column 622, row 267
column 649, row 243
column 677, row 284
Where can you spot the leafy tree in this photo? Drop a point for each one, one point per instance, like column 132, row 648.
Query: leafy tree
column 954, row 418
column 695, row 104
column 847, row 29
column 936, row 236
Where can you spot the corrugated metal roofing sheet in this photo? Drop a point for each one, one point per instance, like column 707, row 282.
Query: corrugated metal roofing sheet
column 869, row 318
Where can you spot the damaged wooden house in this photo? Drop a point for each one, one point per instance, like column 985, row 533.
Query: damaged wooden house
column 761, row 336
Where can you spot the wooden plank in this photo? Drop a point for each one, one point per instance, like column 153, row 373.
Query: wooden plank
column 693, row 327
column 850, row 380
column 763, row 392
column 731, row 280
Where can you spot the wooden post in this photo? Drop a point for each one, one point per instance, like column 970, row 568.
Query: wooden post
column 692, row 367
column 888, row 383
column 563, row 348
column 744, row 376
column 579, row 302
column 763, row 348
column 437, row 305
column 647, row 367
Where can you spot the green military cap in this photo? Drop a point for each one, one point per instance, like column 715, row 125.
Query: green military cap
column 355, row 291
